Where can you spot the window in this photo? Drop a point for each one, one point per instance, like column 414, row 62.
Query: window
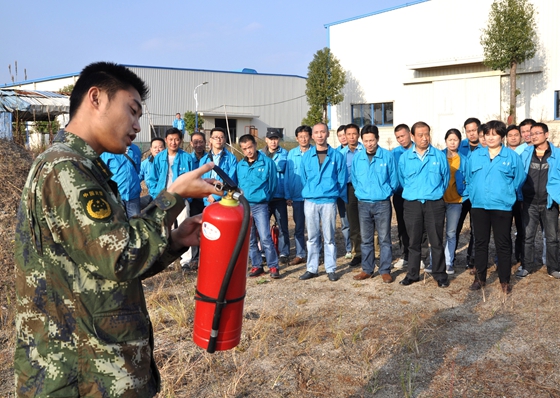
column 557, row 105
column 380, row 114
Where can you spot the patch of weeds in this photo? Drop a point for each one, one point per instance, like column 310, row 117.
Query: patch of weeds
column 407, row 378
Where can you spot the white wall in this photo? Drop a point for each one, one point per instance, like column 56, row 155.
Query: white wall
column 425, row 58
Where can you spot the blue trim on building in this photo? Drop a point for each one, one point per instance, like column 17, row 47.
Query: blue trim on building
column 412, row 3
column 247, row 72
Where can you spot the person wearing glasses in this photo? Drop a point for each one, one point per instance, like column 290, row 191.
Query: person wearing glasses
column 541, row 193
column 494, row 175
column 221, row 157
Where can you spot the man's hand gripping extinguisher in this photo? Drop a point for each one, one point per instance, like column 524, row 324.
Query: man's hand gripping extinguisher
column 222, row 271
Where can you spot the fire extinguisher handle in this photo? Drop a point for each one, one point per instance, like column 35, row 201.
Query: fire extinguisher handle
column 229, row 184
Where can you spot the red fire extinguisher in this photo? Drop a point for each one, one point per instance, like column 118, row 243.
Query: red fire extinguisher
column 222, row 271
column 275, row 233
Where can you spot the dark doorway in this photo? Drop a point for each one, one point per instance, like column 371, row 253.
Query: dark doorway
column 232, row 128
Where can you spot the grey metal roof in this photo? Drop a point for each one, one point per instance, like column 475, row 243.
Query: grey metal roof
column 30, row 105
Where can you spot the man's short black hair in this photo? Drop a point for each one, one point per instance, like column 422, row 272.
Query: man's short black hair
column 172, row 131
column 543, row 126
column 370, row 129
column 247, row 138
column 513, row 127
column 157, row 139
column 218, row 129
column 419, row 124
column 526, row 122
column 401, row 127
column 351, row 126
column 304, row 128
column 472, row 120
column 200, row 134
column 108, row 77
column 340, row 128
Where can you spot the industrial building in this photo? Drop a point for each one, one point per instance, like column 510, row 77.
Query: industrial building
column 423, row 61
column 244, row 101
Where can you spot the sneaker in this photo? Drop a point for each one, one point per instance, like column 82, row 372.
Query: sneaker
column 449, row 271
column 400, row 264
column 274, row 274
column 348, row 255
column 520, row 268
column 256, row 271
column 427, row 269
column 522, row 273
column 422, row 265
column 283, row 259
column 554, row 274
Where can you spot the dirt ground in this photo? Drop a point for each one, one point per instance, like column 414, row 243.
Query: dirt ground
column 318, row 338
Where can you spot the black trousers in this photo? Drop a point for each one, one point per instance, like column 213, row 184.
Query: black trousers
column 466, row 210
column 404, row 242
column 500, row 223
column 429, row 217
column 354, row 221
column 517, row 212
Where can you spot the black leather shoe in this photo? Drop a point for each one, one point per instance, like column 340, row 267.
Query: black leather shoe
column 407, row 281
column 355, row 262
column 443, row 283
column 308, row 275
column 332, row 277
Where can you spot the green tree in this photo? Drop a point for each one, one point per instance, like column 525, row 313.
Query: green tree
column 314, row 116
column 509, row 39
column 190, row 122
column 325, row 80
column 66, row 90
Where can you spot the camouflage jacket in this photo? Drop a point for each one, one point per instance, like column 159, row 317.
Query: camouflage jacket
column 82, row 327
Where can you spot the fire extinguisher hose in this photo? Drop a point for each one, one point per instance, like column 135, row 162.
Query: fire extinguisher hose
column 221, row 301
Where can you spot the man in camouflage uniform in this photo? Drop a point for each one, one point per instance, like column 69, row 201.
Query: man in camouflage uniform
column 82, row 326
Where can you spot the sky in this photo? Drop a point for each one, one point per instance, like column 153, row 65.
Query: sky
column 49, row 38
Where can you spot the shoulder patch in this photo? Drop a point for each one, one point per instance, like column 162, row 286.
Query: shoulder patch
column 95, row 204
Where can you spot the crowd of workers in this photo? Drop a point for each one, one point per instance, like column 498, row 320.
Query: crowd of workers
column 82, row 325
column 432, row 191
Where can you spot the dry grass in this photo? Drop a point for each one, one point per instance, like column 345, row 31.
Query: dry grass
column 345, row 339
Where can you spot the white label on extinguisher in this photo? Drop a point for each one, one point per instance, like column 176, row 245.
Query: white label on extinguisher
column 210, row 232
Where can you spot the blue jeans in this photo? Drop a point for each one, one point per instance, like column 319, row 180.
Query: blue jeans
column 452, row 215
column 261, row 225
column 317, row 216
column 279, row 209
column 132, row 207
column 299, row 235
column 344, row 224
column 376, row 216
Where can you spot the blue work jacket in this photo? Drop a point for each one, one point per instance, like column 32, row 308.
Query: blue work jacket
column 157, row 180
column 425, row 179
column 280, row 158
column 376, row 180
column 327, row 183
column 397, row 152
column 124, row 174
column 257, row 180
column 493, row 184
column 349, row 157
column 227, row 162
column 293, row 179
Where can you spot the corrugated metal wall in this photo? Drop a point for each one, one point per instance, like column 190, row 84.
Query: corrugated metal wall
column 277, row 101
